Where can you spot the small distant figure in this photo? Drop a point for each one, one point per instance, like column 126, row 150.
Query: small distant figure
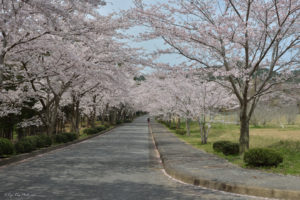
column 148, row 120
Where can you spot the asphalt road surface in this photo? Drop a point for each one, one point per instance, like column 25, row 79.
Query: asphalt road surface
column 119, row 165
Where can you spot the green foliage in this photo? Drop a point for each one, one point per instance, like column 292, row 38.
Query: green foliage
column 100, row 128
column 173, row 127
column 106, row 125
column 262, row 157
column 26, row 144
column 231, row 149
column 218, row 146
column 43, row 141
column 226, row 147
column 91, row 131
column 65, row 137
column 180, row 131
column 6, row 147
column 127, row 120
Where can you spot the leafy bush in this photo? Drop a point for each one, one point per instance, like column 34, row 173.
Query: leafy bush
column 61, row 138
column 65, row 137
column 26, row 144
column 43, row 141
column 180, row 131
column 106, row 125
column 100, row 128
column 128, row 120
column 71, row 136
column 262, row 157
column 173, row 127
column 6, row 147
column 226, row 147
column 91, row 131
column 231, row 149
column 218, row 146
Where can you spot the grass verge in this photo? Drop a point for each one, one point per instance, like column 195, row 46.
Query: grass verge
column 286, row 141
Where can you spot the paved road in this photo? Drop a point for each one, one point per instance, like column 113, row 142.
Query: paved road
column 119, row 165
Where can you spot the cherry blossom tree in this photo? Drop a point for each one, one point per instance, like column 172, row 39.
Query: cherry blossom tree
column 54, row 54
column 183, row 95
column 252, row 45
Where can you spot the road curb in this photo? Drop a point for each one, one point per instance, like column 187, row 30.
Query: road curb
column 222, row 186
column 20, row 157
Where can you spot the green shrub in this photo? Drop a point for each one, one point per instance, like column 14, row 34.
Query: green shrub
column 100, row 128
column 180, row 131
column 262, row 157
column 43, row 141
column 106, row 125
column 218, row 146
column 231, row 149
column 173, row 127
column 26, row 144
column 97, row 129
column 71, row 136
column 128, row 120
column 65, row 137
column 61, row 138
column 6, row 147
column 90, row 131
column 226, row 147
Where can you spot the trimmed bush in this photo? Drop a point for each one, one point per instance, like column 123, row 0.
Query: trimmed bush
column 258, row 157
column 231, row 149
column 43, row 141
column 6, row 147
column 61, row 138
column 26, row 144
column 226, row 147
column 218, row 146
column 180, row 131
column 90, row 131
column 100, row 128
column 106, row 125
column 71, row 136
column 128, row 120
column 65, row 137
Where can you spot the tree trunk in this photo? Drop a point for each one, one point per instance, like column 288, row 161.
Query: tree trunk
column 53, row 117
column 244, row 130
column 77, row 117
column 1, row 69
column 178, row 123
column 187, row 123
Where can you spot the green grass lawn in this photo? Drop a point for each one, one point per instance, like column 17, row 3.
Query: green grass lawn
column 284, row 140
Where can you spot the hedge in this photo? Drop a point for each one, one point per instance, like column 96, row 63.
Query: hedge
column 6, row 147
column 262, row 157
column 65, row 137
column 180, row 131
column 226, row 147
column 91, row 131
